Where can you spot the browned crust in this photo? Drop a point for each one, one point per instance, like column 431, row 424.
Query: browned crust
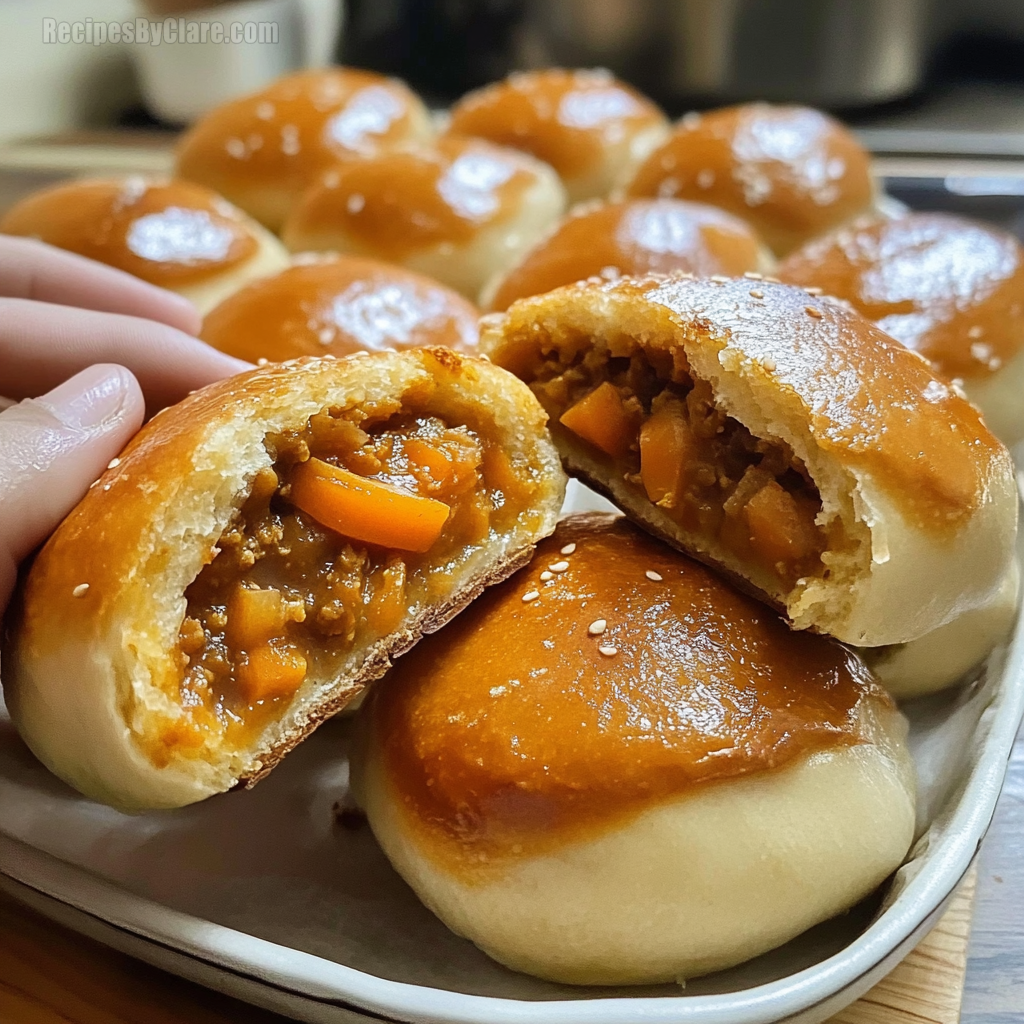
column 381, row 654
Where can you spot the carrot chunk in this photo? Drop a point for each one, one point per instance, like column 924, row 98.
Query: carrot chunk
column 603, row 420
column 666, row 449
column 429, row 457
column 782, row 528
column 254, row 617
column 271, row 670
column 367, row 510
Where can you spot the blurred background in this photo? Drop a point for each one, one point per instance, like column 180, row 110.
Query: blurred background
column 919, row 79
column 905, row 61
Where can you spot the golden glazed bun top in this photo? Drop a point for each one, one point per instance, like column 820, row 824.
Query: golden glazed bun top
column 572, row 120
column 609, row 674
column 872, row 404
column 950, row 288
column 635, row 237
column 339, row 306
column 792, row 172
column 401, row 203
column 170, row 232
column 286, row 135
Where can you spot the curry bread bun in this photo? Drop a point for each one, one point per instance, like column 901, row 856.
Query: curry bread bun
column 950, row 288
column 779, row 436
column 792, row 172
column 635, row 237
column 460, row 211
column 172, row 233
column 263, row 150
column 258, row 554
column 339, row 305
column 593, row 129
column 616, row 769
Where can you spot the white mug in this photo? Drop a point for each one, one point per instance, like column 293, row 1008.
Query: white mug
column 182, row 80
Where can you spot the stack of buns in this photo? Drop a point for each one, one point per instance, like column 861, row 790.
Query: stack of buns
column 614, row 749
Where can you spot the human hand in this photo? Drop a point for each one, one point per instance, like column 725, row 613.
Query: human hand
column 87, row 348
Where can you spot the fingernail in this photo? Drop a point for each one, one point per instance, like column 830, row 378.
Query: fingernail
column 90, row 398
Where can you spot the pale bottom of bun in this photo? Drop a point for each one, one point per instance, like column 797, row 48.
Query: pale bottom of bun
column 617, row 166
column 693, row 885
column 944, row 656
column 1000, row 397
column 270, row 258
column 466, row 266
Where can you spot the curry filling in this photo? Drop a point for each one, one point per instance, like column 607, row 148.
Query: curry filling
column 355, row 528
column 666, row 437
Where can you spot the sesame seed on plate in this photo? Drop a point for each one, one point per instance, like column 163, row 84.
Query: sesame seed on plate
column 815, row 291
column 609, row 652
column 811, row 311
column 719, row 279
column 597, row 627
column 81, row 590
column 568, row 549
column 531, row 595
column 113, row 463
column 558, row 566
column 753, row 275
column 546, row 575
column 655, row 576
column 756, row 293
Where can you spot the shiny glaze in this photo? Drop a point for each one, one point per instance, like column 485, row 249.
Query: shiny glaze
column 635, row 237
column 337, row 307
column 512, row 732
column 166, row 232
column 792, row 172
column 565, row 118
column 950, row 288
column 870, row 402
column 297, row 127
column 400, row 203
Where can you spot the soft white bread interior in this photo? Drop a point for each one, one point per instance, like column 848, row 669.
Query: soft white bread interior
column 918, row 505
column 92, row 663
column 943, row 657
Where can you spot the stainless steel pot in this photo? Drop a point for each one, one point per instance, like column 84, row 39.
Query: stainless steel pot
column 836, row 53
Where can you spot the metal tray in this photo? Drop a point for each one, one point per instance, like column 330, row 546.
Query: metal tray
column 266, row 896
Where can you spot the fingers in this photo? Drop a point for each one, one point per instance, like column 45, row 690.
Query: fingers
column 42, row 345
column 51, row 449
column 32, row 270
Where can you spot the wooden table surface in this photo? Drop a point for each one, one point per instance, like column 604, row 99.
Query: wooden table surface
column 51, row 976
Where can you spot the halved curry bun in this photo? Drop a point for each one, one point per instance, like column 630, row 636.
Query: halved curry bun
column 258, row 554
column 778, row 436
column 617, row 769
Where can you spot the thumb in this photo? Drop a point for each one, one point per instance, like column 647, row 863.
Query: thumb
column 51, row 449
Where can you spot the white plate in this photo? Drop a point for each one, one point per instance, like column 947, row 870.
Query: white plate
column 266, row 896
